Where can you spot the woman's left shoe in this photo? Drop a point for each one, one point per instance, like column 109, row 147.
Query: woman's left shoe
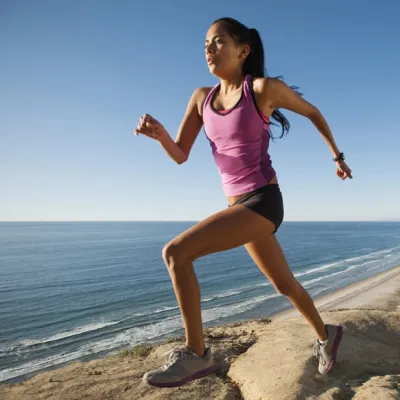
column 326, row 352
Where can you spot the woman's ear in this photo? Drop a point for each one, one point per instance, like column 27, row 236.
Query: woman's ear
column 245, row 51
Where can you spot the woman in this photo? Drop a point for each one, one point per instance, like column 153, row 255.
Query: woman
column 236, row 116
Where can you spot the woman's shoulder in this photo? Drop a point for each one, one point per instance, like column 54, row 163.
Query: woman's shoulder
column 200, row 94
column 260, row 84
column 267, row 84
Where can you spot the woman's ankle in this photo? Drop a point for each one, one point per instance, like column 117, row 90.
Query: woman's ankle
column 199, row 350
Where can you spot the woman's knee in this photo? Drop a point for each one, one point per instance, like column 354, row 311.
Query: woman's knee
column 169, row 254
column 287, row 288
column 173, row 255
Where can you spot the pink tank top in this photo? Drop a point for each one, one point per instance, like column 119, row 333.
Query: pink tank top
column 239, row 140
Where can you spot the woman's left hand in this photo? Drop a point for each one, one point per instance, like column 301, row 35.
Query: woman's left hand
column 343, row 171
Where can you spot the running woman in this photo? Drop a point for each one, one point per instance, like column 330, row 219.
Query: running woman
column 236, row 114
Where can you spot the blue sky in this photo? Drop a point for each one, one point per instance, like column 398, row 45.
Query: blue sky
column 77, row 75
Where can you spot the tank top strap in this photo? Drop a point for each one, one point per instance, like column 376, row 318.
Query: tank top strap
column 251, row 100
column 209, row 97
column 248, row 89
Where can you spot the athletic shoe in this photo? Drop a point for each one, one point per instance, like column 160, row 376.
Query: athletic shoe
column 326, row 352
column 182, row 366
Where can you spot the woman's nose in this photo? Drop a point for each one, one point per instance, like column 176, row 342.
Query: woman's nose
column 209, row 49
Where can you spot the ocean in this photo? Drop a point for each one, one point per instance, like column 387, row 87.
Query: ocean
column 80, row 290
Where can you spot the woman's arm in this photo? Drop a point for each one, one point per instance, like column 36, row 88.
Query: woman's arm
column 276, row 94
column 189, row 128
column 192, row 122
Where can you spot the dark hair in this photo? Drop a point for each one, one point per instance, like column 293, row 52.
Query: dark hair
column 255, row 61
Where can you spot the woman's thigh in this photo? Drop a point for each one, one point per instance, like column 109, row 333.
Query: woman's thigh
column 227, row 229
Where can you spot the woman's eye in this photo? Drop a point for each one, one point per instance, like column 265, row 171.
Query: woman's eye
column 218, row 41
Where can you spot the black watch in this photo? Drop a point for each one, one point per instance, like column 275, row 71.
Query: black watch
column 340, row 157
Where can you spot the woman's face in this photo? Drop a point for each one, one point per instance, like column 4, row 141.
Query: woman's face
column 223, row 54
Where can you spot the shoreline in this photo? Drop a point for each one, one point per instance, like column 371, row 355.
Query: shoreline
column 375, row 292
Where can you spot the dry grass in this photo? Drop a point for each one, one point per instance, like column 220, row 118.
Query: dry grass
column 139, row 351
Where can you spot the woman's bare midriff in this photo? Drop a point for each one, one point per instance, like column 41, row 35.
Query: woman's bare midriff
column 234, row 199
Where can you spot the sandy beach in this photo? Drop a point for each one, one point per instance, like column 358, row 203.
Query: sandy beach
column 265, row 359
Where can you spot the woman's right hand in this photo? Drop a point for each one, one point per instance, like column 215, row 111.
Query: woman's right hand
column 151, row 128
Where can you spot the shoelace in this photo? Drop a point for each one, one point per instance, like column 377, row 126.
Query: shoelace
column 317, row 353
column 174, row 355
